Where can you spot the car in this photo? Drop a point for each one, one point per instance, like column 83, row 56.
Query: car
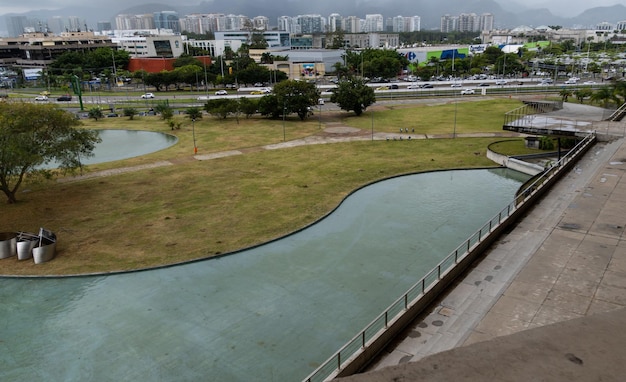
column 41, row 98
column 483, row 84
column 382, row 88
column 65, row 97
column 258, row 85
column 426, row 86
column 266, row 90
column 147, row 95
column 413, row 86
column 501, row 82
column 203, row 98
column 467, row 91
column 571, row 81
column 221, row 92
column 394, row 86
column 456, row 85
column 257, row 92
column 112, row 115
column 589, row 83
column 320, row 101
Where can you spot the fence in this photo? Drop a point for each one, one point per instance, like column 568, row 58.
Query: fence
column 354, row 355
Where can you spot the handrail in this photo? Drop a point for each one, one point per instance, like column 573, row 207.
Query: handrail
column 619, row 112
column 380, row 324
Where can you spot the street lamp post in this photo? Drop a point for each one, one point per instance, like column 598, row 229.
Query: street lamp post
column 284, row 112
column 193, row 132
column 372, row 112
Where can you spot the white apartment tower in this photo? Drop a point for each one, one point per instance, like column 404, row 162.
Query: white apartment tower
column 335, row 22
column 374, row 23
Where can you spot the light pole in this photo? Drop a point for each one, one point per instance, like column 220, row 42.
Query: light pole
column 372, row 112
column 284, row 112
column 193, row 132
column 319, row 117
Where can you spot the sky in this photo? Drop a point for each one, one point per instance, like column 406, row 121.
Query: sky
column 567, row 8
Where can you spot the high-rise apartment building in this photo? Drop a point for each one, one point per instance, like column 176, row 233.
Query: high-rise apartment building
column 310, row 23
column 374, row 23
column 287, row 24
column 167, row 20
column 466, row 22
column 352, row 24
column 335, row 22
column 17, row 25
column 261, row 23
column 200, row 23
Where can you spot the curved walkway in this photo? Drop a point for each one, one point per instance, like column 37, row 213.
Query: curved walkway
column 547, row 302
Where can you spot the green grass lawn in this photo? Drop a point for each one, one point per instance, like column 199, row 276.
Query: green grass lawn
column 195, row 209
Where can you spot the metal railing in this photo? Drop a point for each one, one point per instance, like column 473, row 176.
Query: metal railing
column 359, row 343
column 618, row 114
column 524, row 116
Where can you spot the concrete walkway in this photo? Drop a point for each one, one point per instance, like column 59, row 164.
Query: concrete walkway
column 562, row 264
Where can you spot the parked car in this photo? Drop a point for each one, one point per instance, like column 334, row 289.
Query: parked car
column 467, row 91
column 221, row 92
column 41, row 98
column 65, row 97
column 147, row 95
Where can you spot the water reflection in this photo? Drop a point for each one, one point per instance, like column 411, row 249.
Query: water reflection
column 124, row 144
column 270, row 313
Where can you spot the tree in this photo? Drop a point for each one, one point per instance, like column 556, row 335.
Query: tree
column 95, row 113
column 296, row 97
column 565, row 94
column 33, row 135
column 221, row 107
column 130, row 112
column 602, row 96
column 581, row 94
column 247, row 106
column 194, row 112
column 165, row 110
column 353, row 94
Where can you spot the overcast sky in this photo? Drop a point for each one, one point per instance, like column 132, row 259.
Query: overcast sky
column 567, row 8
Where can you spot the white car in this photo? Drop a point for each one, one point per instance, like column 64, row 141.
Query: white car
column 589, row 83
column 147, row 95
column 413, row 86
column 571, row 81
column 221, row 92
column 467, row 91
column 41, row 98
column 456, row 85
column 500, row 82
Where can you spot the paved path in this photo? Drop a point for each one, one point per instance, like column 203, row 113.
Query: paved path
column 566, row 260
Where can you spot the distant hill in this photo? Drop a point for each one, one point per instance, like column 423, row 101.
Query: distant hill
column 509, row 16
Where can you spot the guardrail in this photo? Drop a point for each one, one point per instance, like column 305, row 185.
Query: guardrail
column 368, row 342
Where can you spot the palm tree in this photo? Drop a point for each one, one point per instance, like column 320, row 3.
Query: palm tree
column 603, row 95
column 565, row 94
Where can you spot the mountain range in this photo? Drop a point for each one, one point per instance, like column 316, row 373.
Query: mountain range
column 507, row 15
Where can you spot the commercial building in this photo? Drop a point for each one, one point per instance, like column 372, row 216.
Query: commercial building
column 33, row 50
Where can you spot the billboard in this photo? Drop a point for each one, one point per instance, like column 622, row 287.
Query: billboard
column 32, row 74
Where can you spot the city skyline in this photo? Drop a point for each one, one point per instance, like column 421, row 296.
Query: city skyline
column 565, row 8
